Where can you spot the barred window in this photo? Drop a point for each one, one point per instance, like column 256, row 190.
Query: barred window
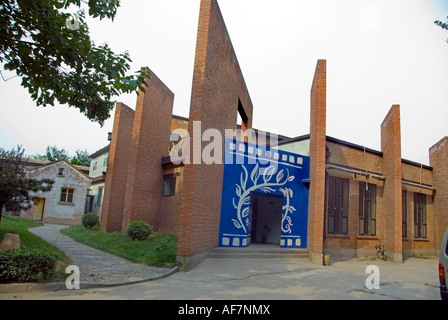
column 337, row 206
column 405, row 214
column 367, row 209
column 420, row 226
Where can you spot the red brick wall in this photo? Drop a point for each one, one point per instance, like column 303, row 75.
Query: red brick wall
column 438, row 156
column 317, row 162
column 417, row 173
column 150, row 142
column 115, row 188
column 392, row 195
column 170, row 205
column 178, row 123
column 351, row 156
column 356, row 158
column 217, row 85
column 345, row 155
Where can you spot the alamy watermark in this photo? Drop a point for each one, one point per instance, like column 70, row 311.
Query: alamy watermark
column 206, row 147
column 73, row 280
column 373, row 280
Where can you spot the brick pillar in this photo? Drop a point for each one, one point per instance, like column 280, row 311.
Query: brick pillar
column 218, row 92
column 150, row 142
column 392, row 194
column 117, row 169
column 438, row 159
column 318, row 119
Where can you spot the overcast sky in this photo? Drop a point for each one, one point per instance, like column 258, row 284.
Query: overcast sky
column 378, row 52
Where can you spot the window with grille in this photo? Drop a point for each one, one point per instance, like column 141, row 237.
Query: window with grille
column 420, row 226
column 405, row 214
column 367, row 209
column 337, row 206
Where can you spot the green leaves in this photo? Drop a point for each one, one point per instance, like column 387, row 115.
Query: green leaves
column 59, row 62
column 15, row 187
column 443, row 25
column 53, row 153
column 81, row 158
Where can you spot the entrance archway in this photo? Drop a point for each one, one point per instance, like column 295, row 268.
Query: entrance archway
column 266, row 212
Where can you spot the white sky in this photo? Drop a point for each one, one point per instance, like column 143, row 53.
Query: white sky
column 378, row 52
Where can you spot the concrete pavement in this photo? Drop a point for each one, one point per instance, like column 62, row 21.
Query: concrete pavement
column 271, row 279
column 106, row 277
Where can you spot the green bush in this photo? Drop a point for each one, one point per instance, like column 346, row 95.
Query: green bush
column 90, row 220
column 26, row 266
column 139, row 230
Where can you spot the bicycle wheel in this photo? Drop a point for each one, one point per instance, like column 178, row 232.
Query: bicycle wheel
column 379, row 255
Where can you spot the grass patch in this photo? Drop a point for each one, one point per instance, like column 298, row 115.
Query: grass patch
column 29, row 242
column 159, row 250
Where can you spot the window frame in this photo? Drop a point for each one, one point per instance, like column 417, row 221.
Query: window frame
column 99, row 196
column 67, row 195
column 420, row 216
column 367, row 209
column 95, row 165
column 404, row 223
column 60, row 172
column 337, row 196
column 171, row 190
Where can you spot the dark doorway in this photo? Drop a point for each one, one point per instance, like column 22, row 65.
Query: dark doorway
column 266, row 211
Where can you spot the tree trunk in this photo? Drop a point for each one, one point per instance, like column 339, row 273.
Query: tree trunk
column 1, row 213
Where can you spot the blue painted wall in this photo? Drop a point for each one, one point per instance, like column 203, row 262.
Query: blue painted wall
column 256, row 169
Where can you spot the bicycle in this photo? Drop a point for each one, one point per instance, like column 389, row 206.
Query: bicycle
column 381, row 253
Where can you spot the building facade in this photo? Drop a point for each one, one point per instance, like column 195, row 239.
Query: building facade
column 213, row 181
column 97, row 173
column 65, row 203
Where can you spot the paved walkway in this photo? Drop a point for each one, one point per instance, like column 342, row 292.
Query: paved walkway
column 244, row 279
column 97, row 268
column 234, row 278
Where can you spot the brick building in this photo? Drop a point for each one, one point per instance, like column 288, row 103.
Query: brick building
column 326, row 195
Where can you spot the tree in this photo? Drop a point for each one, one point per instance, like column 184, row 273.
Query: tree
column 53, row 53
column 52, row 153
column 81, row 158
column 443, row 25
column 15, row 187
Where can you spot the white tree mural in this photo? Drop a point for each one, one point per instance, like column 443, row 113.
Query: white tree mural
column 264, row 182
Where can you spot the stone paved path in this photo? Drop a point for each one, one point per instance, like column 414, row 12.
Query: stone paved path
column 97, row 267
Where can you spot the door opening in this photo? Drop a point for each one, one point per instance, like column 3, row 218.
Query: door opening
column 266, row 211
column 38, row 209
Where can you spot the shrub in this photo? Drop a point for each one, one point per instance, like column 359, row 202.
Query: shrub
column 90, row 220
column 139, row 230
column 26, row 266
